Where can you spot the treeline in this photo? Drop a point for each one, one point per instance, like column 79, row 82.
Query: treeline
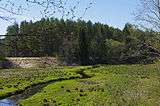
column 80, row 42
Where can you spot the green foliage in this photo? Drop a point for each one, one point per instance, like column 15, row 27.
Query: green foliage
column 80, row 42
column 2, row 58
column 114, row 50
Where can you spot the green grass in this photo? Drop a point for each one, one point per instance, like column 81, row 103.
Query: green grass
column 13, row 80
column 110, row 85
column 119, row 85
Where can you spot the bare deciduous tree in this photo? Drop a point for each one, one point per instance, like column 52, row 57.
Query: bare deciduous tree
column 47, row 8
column 149, row 14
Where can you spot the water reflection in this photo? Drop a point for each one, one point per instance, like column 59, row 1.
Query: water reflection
column 7, row 102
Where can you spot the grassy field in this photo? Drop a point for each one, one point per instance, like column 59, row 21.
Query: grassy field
column 13, row 81
column 110, row 85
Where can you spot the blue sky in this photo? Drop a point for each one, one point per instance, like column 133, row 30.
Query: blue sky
column 112, row 12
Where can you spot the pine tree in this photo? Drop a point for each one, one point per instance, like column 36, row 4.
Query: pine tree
column 83, row 47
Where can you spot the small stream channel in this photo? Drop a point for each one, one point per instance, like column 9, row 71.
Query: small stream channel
column 13, row 100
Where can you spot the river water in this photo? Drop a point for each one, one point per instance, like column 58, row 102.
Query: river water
column 7, row 102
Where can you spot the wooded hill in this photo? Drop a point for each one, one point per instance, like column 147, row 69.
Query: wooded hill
column 80, row 42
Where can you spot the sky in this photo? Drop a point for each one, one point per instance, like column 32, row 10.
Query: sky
column 115, row 13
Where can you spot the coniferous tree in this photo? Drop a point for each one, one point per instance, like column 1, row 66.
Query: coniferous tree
column 83, row 48
column 80, row 42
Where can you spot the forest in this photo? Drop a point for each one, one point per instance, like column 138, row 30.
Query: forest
column 80, row 42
